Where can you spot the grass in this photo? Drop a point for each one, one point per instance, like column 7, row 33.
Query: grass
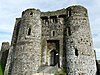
column 1, row 73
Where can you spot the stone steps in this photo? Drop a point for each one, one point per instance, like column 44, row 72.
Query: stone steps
column 46, row 70
column 43, row 74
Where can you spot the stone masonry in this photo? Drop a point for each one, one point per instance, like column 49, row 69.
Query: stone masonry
column 4, row 54
column 49, row 41
column 98, row 67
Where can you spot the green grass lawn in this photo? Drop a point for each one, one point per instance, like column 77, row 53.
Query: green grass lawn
column 0, row 70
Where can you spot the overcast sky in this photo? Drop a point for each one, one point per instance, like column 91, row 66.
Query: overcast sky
column 12, row 9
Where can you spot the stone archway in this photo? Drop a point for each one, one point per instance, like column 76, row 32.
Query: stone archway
column 54, row 58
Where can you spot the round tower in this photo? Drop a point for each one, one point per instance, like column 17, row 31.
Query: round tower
column 79, row 56
column 28, row 46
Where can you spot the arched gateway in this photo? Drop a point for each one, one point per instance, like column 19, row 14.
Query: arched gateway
column 54, row 58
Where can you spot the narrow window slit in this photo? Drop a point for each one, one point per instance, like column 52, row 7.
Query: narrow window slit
column 68, row 31
column 69, row 13
column 29, row 31
column 53, row 33
column 76, row 52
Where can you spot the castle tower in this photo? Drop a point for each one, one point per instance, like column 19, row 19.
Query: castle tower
column 80, row 55
column 26, row 52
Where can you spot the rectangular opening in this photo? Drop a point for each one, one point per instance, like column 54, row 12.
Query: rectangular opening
column 68, row 31
column 53, row 47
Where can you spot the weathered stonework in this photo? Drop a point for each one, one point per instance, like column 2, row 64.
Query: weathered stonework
column 98, row 67
column 61, row 39
column 80, row 56
column 4, row 54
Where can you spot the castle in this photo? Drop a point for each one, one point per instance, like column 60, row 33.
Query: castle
column 49, row 41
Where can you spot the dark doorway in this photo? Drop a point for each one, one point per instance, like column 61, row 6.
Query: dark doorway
column 54, row 58
column 53, row 46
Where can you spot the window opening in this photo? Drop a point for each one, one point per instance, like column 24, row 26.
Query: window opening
column 69, row 13
column 29, row 31
column 45, row 20
column 31, row 13
column 53, row 33
column 54, row 19
column 54, row 58
column 76, row 52
column 53, row 46
column 68, row 31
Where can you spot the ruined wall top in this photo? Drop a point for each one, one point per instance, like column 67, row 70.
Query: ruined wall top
column 77, row 8
column 30, row 12
column 65, row 11
column 5, row 46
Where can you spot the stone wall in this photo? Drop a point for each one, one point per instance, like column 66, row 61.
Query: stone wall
column 4, row 54
column 10, row 60
column 98, row 67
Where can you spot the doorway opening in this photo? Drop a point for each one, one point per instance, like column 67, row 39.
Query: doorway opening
column 53, row 47
column 54, row 58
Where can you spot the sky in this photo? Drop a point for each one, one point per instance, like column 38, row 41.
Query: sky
column 12, row 9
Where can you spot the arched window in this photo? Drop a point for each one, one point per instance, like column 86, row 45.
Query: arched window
column 29, row 31
column 53, row 33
